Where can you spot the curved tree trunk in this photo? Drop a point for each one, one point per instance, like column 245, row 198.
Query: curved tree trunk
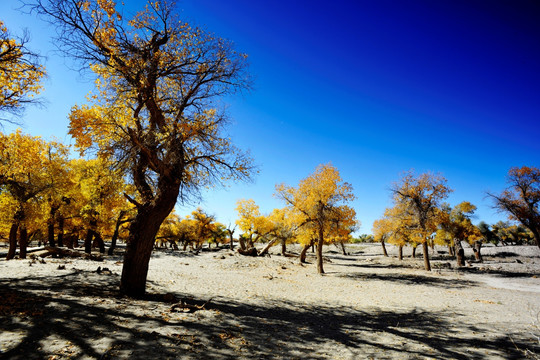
column 451, row 251
column 385, row 253
column 113, row 240
column 119, row 222
column 427, row 265
column 343, row 248
column 142, row 233
column 460, row 253
column 12, row 240
column 304, row 252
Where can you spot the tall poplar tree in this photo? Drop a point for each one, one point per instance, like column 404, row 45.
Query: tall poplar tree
column 155, row 109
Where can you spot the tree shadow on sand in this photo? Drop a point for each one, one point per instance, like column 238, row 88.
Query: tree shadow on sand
column 81, row 315
column 412, row 279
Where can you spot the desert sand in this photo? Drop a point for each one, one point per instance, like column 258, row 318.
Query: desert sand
column 218, row 304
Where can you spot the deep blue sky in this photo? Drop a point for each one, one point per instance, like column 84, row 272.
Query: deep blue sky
column 374, row 87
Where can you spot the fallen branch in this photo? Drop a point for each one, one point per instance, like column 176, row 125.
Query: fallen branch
column 61, row 252
column 182, row 306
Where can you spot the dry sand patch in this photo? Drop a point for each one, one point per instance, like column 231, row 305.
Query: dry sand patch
column 365, row 306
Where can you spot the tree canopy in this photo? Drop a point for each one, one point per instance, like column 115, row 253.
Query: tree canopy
column 20, row 73
column 521, row 199
column 155, row 109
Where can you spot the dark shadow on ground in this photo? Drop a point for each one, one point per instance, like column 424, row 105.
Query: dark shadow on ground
column 498, row 272
column 86, row 315
column 412, row 280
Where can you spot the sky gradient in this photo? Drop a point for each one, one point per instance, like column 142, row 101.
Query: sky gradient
column 374, row 87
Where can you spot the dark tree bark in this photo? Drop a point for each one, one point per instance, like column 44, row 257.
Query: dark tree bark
column 304, row 252
column 50, row 226
column 12, row 241
column 142, row 232
column 413, row 255
column 88, row 241
column 98, row 240
column 50, row 232
column 343, row 250
column 385, row 253
column 23, row 242
column 231, row 238
column 460, row 253
column 119, row 223
column 60, row 235
column 283, row 247
column 249, row 252
column 400, row 253
column 427, row 265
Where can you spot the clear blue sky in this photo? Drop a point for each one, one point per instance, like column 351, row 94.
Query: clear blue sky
column 374, row 87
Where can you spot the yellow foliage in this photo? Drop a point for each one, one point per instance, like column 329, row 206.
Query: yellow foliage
column 317, row 206
column 20, row 75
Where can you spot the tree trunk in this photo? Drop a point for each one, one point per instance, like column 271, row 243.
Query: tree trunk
column 12, row 240
column 385, row 253
column 320, row 243
column 88, row 241
column 451, row 250
column 536, row 235
column 231, row 239
column 283, row 247
column 414, row 252
column 477, row 253
column 400, row 253
column 99, row 241
column 343, row 248
column 242, row 242
column 60, row 237
column 23, row 242
column 460, row 253
column 427, row 265
column 267, row 247
column 113, row 240
column 119, row 223
column 70, row 239
column 50, row 231
column 142, row 232
column 304, row 252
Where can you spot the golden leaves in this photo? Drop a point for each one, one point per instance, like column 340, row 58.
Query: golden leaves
column 318, row 204
column 20, row 74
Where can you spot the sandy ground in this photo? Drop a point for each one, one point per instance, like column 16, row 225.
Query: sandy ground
column 366, row 306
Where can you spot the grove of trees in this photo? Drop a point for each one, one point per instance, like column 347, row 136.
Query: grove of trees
column 152, row 134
